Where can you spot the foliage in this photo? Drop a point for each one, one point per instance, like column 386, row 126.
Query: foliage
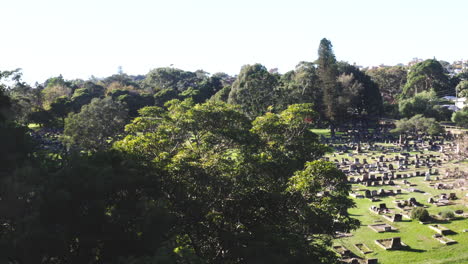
column 96, row 125
column 60, row 107
column 233, row 186
column 428, row 75
column 418, row 124
column 462, row 89
column 301, row 86
column 461, row 117
column 132, row 100
column 170, row 78
column 253, row 90
column 390, row 80
column 360, row 96
column 222, row 95
column 447, row 214
column 423, row 103
column 328, row 74
column 55, row 87
column 419, row 213
column 5, row 104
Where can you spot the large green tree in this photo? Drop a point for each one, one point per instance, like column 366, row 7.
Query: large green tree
column 462, row 89
column 328, row 73
column 461, row 117
column 96, row 125
column 242, row 191
column 426, row 104
column 301, row 86
column 428, row 75
column 253, row 90
column 418, row 124
column 359, row 94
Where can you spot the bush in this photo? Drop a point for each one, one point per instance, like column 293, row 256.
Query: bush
column 448, row 214
column 420, row 214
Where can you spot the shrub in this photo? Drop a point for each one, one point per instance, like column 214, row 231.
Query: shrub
column 449, row 214
column 420, row 214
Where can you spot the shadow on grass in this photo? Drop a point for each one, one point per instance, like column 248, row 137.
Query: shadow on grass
column 409, row 249
column 438, row 221
column 404, row 221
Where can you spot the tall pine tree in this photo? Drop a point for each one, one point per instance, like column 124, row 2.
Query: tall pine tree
column 328, row 72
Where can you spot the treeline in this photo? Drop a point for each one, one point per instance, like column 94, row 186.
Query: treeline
column 341, row 93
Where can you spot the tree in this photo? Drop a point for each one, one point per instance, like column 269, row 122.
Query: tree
column 461, row 117
column 424, row 103
column 170, row 78
column 301, row 86
column 428, row 75
column 241, row 190
column 54, row 88
column 462, row 89
column 60, row 107
column 5, row 104
column 360, row 95
column 390, row 80
column 418, row 124
column 96, row 125
column 420, row 214
column 253, row 90
column 328, row 73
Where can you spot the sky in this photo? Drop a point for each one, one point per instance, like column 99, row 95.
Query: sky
column 84, row 38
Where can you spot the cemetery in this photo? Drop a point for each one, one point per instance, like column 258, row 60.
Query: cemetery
column 389, row 179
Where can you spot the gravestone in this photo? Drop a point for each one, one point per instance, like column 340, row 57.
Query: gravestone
column 397, row 218
column 367, row 194
column 396, row 243
column 428, row 177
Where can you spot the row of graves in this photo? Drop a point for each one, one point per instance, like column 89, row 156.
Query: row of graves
column 383, row 171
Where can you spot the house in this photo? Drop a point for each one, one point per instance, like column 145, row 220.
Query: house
column 461, row 102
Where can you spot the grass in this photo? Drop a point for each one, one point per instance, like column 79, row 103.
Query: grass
column 33, row 126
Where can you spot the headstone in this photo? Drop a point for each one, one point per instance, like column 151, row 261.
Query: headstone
column 396, row 243
column 428, row 177
column 367, row 194
column 397, row 218
column 365, row 177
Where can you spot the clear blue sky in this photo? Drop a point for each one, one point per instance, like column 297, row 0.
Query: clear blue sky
column 80, row 38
